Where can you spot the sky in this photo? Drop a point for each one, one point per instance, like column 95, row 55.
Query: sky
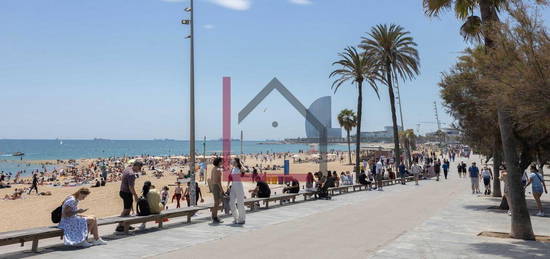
column 119, row 69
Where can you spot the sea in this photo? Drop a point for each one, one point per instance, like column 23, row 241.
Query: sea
column 55, row 149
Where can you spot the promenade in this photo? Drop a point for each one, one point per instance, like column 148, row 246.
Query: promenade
column 433, row 220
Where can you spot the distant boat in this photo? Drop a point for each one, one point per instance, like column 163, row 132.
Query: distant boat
column 18, row 154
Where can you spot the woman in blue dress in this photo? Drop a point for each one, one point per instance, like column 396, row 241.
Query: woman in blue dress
column 538, row 186
column 75, row 226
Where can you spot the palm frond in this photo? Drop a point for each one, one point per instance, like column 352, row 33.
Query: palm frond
column 471, row 29
column 436, row 7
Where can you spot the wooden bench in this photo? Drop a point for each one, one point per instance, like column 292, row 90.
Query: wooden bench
column 358, row 186
column 339, row 189
column 281, row 198
column 251, row 202
column 36, row 234
column 308, row 194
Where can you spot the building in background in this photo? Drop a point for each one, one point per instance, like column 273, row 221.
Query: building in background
column 385, row 135
column 322, row 109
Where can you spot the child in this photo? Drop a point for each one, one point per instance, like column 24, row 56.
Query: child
column 164, row 196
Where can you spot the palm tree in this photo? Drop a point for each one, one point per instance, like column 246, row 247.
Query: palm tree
column 395, row 54
column 476, row 28
column 347, row 120
column 357, row 68
column 408, row 139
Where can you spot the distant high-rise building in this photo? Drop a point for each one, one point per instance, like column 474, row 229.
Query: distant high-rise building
column 322, row 109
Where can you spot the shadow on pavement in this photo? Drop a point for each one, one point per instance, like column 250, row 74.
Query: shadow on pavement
column 531, row 205
column 517, row 249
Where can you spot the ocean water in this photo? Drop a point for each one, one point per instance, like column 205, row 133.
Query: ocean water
column 76, row 149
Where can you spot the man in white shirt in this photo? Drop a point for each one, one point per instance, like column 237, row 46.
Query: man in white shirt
column 416, row 170
column 379, row 174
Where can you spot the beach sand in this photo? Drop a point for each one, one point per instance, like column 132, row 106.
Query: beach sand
column 34, row 210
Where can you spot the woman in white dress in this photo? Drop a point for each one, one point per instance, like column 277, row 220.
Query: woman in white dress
column 75, row 227
column 236, row 195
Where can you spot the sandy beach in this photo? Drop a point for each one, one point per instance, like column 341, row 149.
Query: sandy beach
column 34, row 210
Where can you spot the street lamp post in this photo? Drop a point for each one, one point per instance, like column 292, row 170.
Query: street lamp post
column 191, row 22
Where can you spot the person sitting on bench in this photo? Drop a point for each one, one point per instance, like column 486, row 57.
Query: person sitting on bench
column 362, row 179
column 75, row 225
column 262, row 190
column 293, row 187
column 324, row 183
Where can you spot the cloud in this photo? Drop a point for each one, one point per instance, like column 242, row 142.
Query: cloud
column 240, row 5
column 301, row 2
column 208, row 26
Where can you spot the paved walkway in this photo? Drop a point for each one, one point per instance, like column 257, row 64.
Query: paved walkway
column 433, row 220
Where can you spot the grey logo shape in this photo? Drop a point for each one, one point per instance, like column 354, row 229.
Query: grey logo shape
column 275, row 84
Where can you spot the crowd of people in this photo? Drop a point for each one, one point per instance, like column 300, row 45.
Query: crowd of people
column 151, row 200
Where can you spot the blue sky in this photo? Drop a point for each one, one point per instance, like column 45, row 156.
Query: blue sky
column 119, row 68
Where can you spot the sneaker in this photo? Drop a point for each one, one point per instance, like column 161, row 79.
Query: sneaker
column 119, row 229
column 99, row 242
column 241, row 223
column 509, row 213
column 216, row 220
column 84, row 244
column 142, row 227
column 540, row 214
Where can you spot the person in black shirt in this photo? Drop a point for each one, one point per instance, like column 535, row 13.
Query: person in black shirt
column 262, row 190
column 362, row 179
column 294, row 187
column 34, row 185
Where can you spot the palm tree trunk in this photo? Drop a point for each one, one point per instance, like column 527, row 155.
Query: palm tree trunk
column 358, row 135
column 349, row 148
column 521, row 221
column 397, row 158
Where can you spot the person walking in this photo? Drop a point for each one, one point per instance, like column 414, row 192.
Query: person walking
column 379, row 174
column 127, row 191
column 178, row 192
column 34, row 185
column 537, row 186
column 215, row 184
column 401, row 170
column 474, row 177
column 236, row 195
column 445, row 167
column 416, row 170
column 437, row 169
column 487, row 176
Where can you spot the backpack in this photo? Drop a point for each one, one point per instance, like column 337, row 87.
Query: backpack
column 56, row 214
column 143, row 207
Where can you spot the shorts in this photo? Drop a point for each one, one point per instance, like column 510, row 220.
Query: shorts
column 379, row 177
column 216, row 192
column 486, row 180
column 128, row 199
column 475, row 181
column 537, row 189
